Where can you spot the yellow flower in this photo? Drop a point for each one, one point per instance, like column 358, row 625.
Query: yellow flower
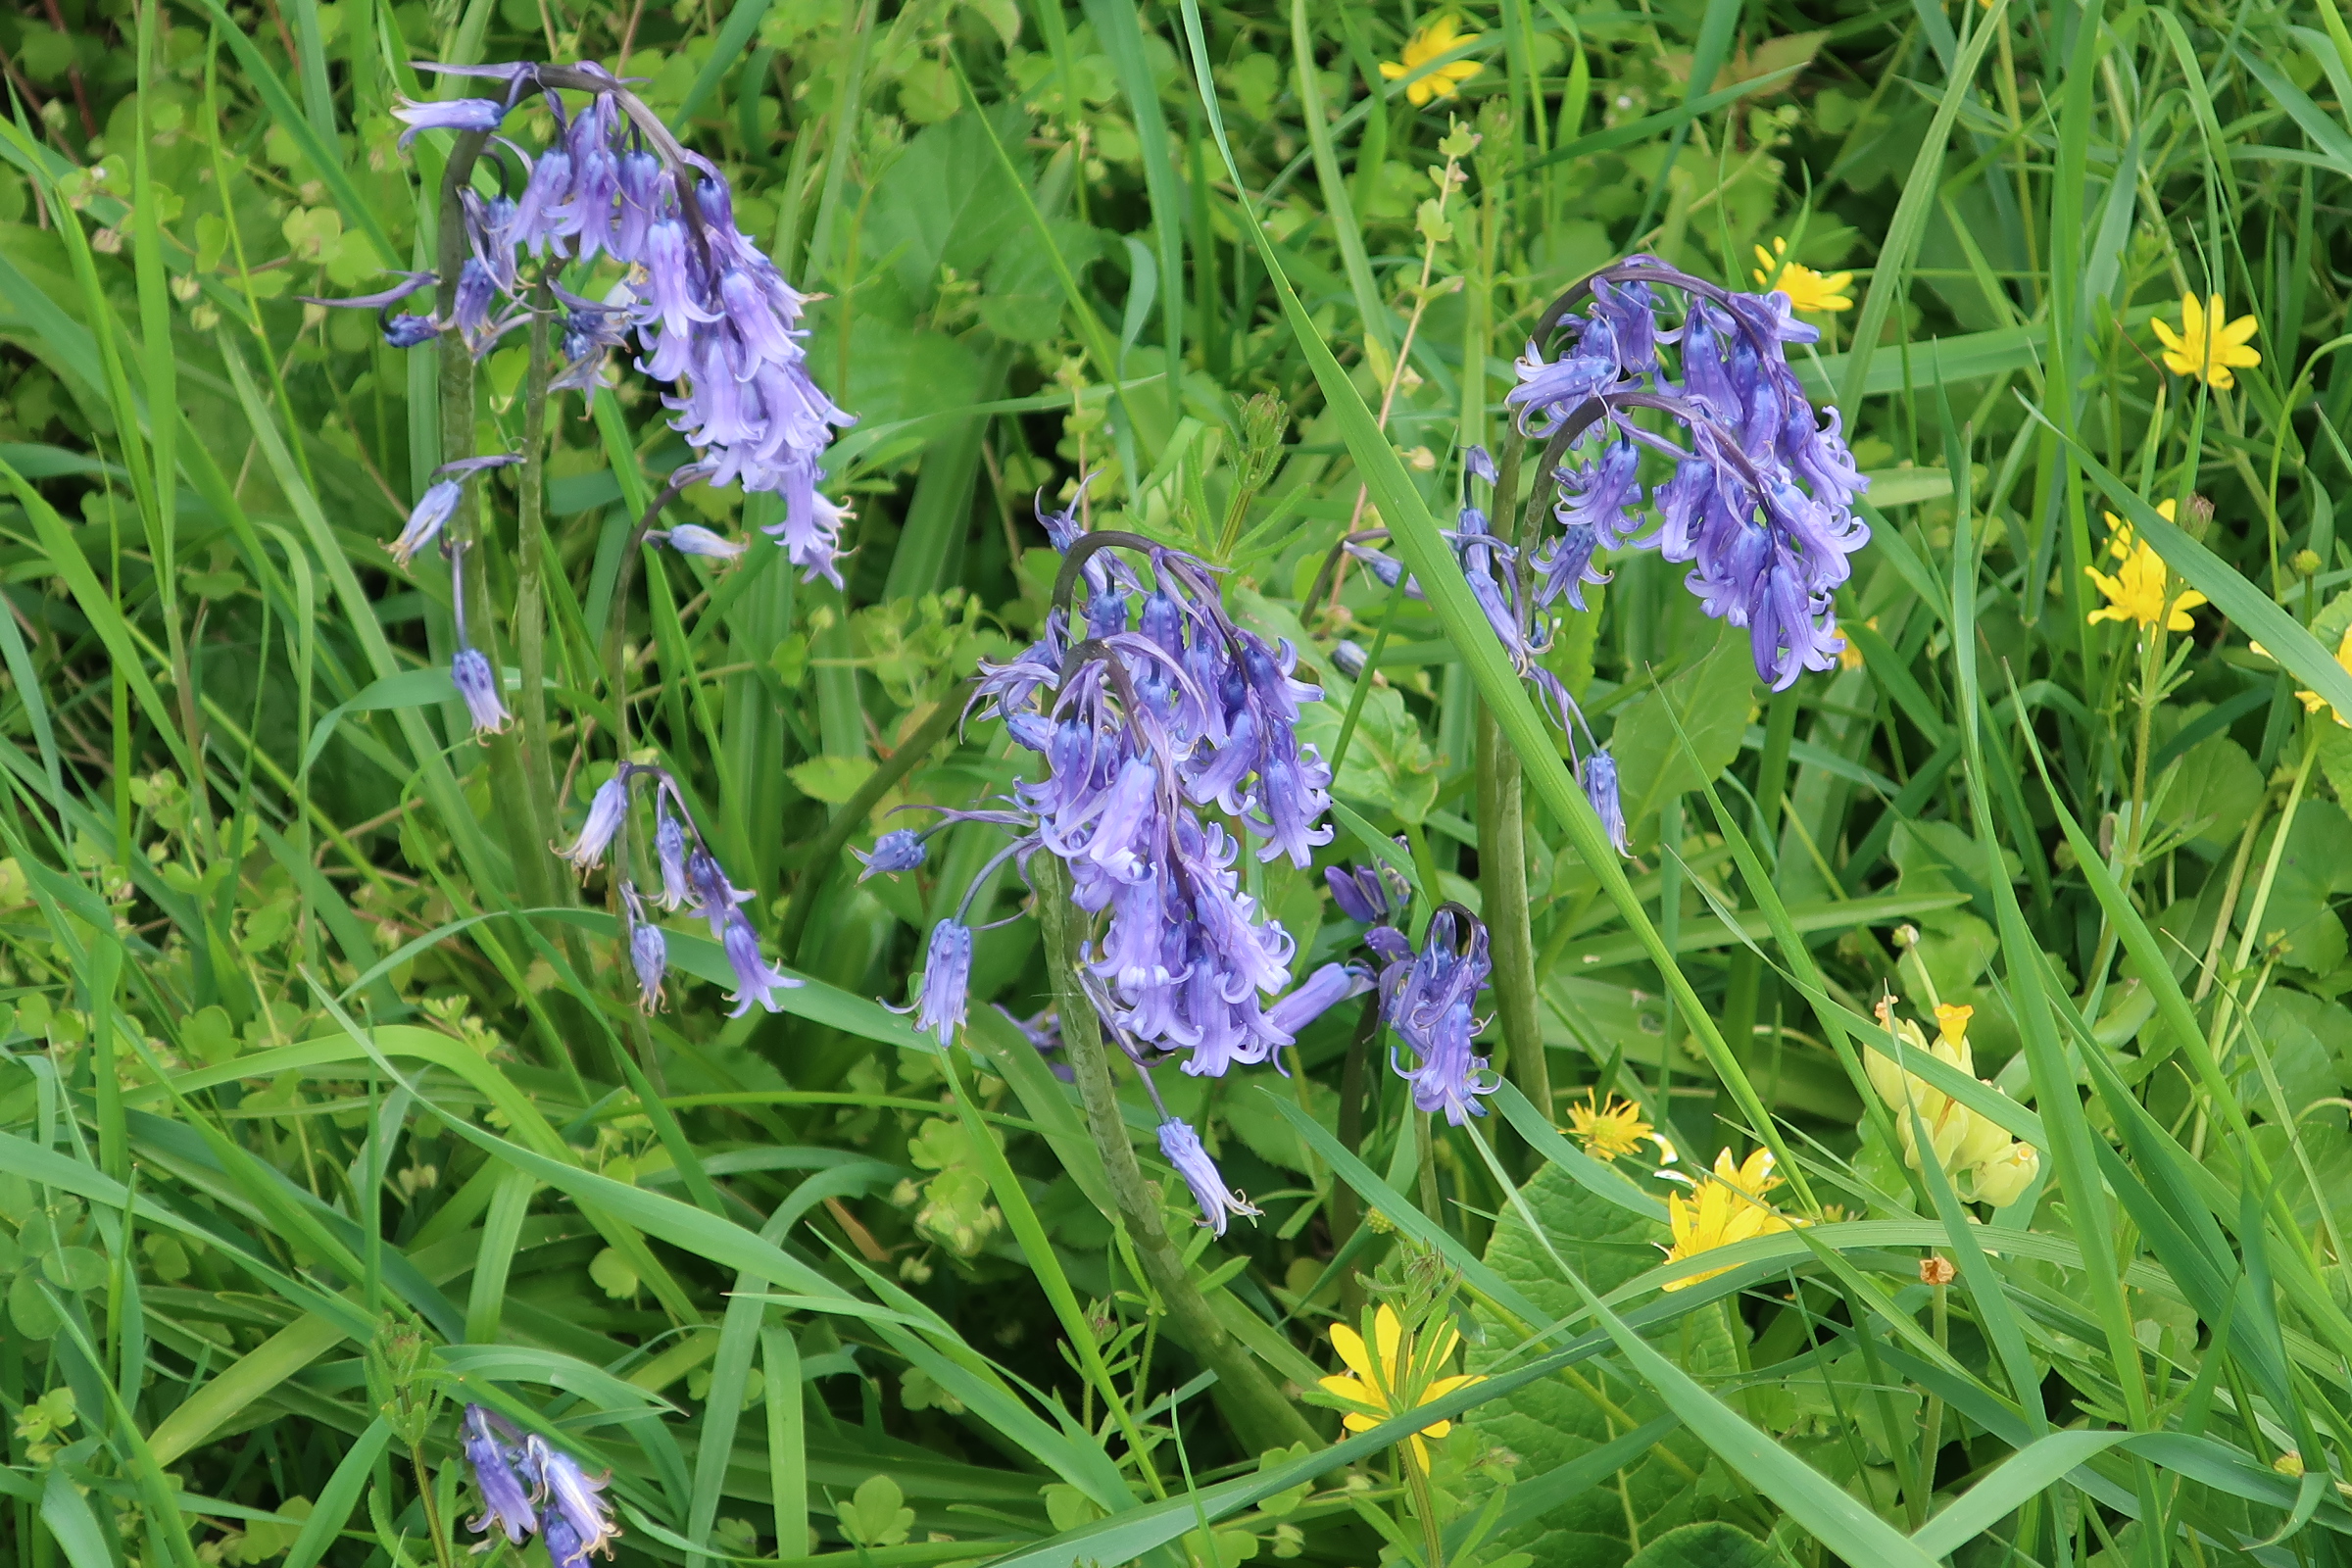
column 1394, row 1375
column 1975, row 1152
column 1848, row 655
column 2313, row 702
column 2204, row 347
column 1438, row 38
column 1807, row 290
column 2136, row 589
column 1611, row 1130
column 1722, row 1208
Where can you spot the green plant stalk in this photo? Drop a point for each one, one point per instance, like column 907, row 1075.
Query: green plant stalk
column 1433, row 1540
column 1260, row 1415
column 432, row 1508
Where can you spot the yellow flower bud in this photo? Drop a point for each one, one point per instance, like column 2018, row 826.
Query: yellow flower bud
column 2003, row 1181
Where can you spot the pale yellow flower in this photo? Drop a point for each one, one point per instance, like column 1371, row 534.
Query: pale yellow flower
column 1394, row 1374
column 2313, row 702
column 2204, row 347
column 1807, row 290
column 1721, row 1209
column 1975, row 1151
column 2136, row 591
column 1441, row 36
column 1611, row 1130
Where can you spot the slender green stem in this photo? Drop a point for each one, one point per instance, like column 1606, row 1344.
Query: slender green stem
column 1261, row 1414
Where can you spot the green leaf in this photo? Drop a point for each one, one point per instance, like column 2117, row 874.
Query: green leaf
column 873, row 1517
column 1389, row 766
column 1554, row 1423
column 831, row 779
column 1707, row 1545
column 1709, row 701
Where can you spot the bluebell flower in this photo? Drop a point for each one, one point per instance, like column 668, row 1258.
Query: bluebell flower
column 490, row 1454
column 568, row 1495
column 1479, row 464
column 1430, row 1000
column 944, row 990
column 1599, row 778
column 756, row 981
column 449, row 114
column 433, row 508
column 405, row 331
column 1350, row 659
column 710, row 891
column 649, row 951
column 607, row 808
column 670, row 851
column 898, row 849
column 564, row 1547
column 477, row 684
column 409, row 283
column 693, row 539
column 1317, row 994
column 543, row 212
column 1218, row 1202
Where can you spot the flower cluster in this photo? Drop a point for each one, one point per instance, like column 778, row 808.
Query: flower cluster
column 1429, row 999
column 713, row 315
column 1988, row 1165
column 691, row 877
column 1760, row 499
column 562, row 1502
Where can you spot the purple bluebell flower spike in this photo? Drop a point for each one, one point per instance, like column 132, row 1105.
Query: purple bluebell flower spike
column 491, row 1456
column 649, row 952
column 1218, row 1202
column 607, row 809
column 693, row 539
column 450, row 114
column 756, row 981
column 568, row 1495
column 944, row 987
column 1429, row 999
column 898, row 849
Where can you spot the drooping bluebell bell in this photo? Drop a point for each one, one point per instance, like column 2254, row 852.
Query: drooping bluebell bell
column 756, row 982
column 670, row 853
column 1429, row 999
column 943, row 989
column 898, row 849
column 1218, row 1202
column 649, row 951
column 693, row 539
column 569, row 1494
column 448, row 113
column 477, row 684
column 1598, row 776
column 607, row 808
column 425, row 520
column 1349, row 658
column 1359, row 893
column 491, row 1454
column 710, row 891
column 564, row 1547
column 407, row 329
column 1317, row 994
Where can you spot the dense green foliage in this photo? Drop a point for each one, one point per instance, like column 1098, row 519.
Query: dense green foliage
column 324, row 1102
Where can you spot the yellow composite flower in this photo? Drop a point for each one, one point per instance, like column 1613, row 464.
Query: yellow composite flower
column 2313, row 702
column 1611, row 1130
column 1394, row 1374
column 1441, row 36
column 2136, row 589
column 1807, row 290
column 2204, row 347
column 1721, row 1209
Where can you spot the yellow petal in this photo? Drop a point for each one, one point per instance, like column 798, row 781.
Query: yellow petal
column 1351, row 1389
column 1436, row 1429
column 1350, row 1346
column 1354, row 1422
column 1394, row 71
column 1387, row 1334
column 2239, row 331
column 2164, row 334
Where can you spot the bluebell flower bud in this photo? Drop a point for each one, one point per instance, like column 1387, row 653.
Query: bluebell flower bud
column 1317, row 994
column 947, row 981
column 1599, row 778
column 608, row 807
column 669, row 850
column 649, row 951
column 899, row 850
column 477, row 684
column 564, row 1547
column 710, row 891
column 1479, row 464
column 1358, row 892
column 1350, row 659
column 450, row 114
column 693, row 539
column 489, row 1453
column 405, row 331
column 756, row 982
column 1218, row 1202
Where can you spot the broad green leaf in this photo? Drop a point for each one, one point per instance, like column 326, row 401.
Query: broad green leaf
column 1709, row 703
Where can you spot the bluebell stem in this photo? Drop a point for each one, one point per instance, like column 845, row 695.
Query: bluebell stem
column 1598, row 776
column 898, row 849
column 607, row 809
column 570, row 1495
column 943, row 989
column 1218, row 1202
column 693, row 539
column 490, row 1453
column 649, row 951
column 1430, row 1000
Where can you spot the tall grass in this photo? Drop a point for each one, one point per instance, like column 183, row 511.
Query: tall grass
column 322, row 1110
